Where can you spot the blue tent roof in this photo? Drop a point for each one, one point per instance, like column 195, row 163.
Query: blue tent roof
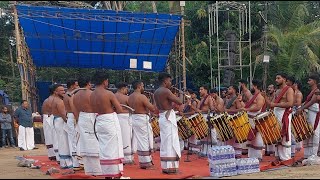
column 91, row 38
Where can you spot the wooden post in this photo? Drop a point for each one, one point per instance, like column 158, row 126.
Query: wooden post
column 18, row 46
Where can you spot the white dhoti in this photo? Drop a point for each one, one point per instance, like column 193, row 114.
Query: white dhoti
column 48, row 135
column 77, row 137
column 283, row 149
column 144, row 135
column 255, row 146
column 110, row 142
column 55, row 142
column 311, row 145
column 26, row 137
column 126, row 133
column 63, row 145
column 170, row 152
column 72, row 139
column 89, row 145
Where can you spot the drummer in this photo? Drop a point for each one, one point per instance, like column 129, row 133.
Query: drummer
column 253, row 108
column 191, row 103
column 205, row 107
column 232, row 106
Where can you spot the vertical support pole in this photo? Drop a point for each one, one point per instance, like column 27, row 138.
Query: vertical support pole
column 183, row 47
column 18, row 46
column 250, row 44
column 218, row 52
column 210, row 50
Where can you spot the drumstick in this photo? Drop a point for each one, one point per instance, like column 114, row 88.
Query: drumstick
column 128, row 107
column 75, row 91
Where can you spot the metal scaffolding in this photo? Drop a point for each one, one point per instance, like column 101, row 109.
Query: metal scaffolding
column 229, row 50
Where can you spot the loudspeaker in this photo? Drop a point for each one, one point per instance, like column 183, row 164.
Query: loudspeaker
column 38, row 136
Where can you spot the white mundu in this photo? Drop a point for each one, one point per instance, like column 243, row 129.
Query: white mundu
column 311, row 145
column 48, row 134
column 144, row 136
column 110, row 143
column 283, row 150
column 256, row 145
column 72, row 139
column 125, row 121
column 89, row 145
column 63, row 146
column 170, row 152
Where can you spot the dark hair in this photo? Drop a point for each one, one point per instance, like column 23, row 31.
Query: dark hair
column 283, row 75
column 314, row 77
column 121, row 85
column 257, row 83
column 99, row 77
column 23, row 101
column 83, row 81
column 243, row 81
column 291, row 78
column 2, row 108
column 163, row 76
column 213, row 91
column 205, row 87
column 136, row 83
column 299, row 84
column 71, row 82
column 235, row 87
column 55, row 86
column 51, row 91
column 190, row 91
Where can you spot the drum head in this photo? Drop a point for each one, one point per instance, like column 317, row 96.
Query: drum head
column 262, row 115
column 219, row 116
column 193, row 116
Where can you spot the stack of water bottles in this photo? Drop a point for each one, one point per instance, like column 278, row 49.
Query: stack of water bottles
column 222, row 161
column 247, row 165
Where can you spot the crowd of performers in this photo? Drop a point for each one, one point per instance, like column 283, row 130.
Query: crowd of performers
column 102, row 130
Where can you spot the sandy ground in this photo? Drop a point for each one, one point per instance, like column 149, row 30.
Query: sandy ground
column 10, row 170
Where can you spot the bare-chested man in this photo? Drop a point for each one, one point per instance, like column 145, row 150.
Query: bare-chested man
column 296, row 146
column 48, row 128
column 125, row 122
column 190, row 104
column 88, row 144
column 107, row 126
column 245, row 92
column 72, row 116
column 60, row 121
column 233, row 105
column 311, row 145
column 282, row 105
column 170, row 152
column 253, row 107
column 142, row 129
column 218, row 103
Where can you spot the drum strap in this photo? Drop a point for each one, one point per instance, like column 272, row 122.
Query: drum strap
column 204, row 100
column 231, row 102
column 283, row 91
column 249, row 103
column 309, row 97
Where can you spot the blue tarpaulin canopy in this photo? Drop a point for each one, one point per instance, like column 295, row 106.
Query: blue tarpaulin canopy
column 91, row 38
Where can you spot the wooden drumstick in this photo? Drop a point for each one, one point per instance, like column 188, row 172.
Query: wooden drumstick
column 128, row 107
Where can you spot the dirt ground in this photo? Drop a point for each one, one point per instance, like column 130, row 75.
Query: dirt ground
column 10, row 170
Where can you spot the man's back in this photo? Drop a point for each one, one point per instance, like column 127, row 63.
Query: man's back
column 161, row 98
column 137, row 102
column 123, row 99
column 81, row 101
column 66, row 99
column 100, row 100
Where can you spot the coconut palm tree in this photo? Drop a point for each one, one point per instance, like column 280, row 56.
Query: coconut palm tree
column 293, row 43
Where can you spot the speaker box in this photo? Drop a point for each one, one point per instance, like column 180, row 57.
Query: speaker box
column 38, row 136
